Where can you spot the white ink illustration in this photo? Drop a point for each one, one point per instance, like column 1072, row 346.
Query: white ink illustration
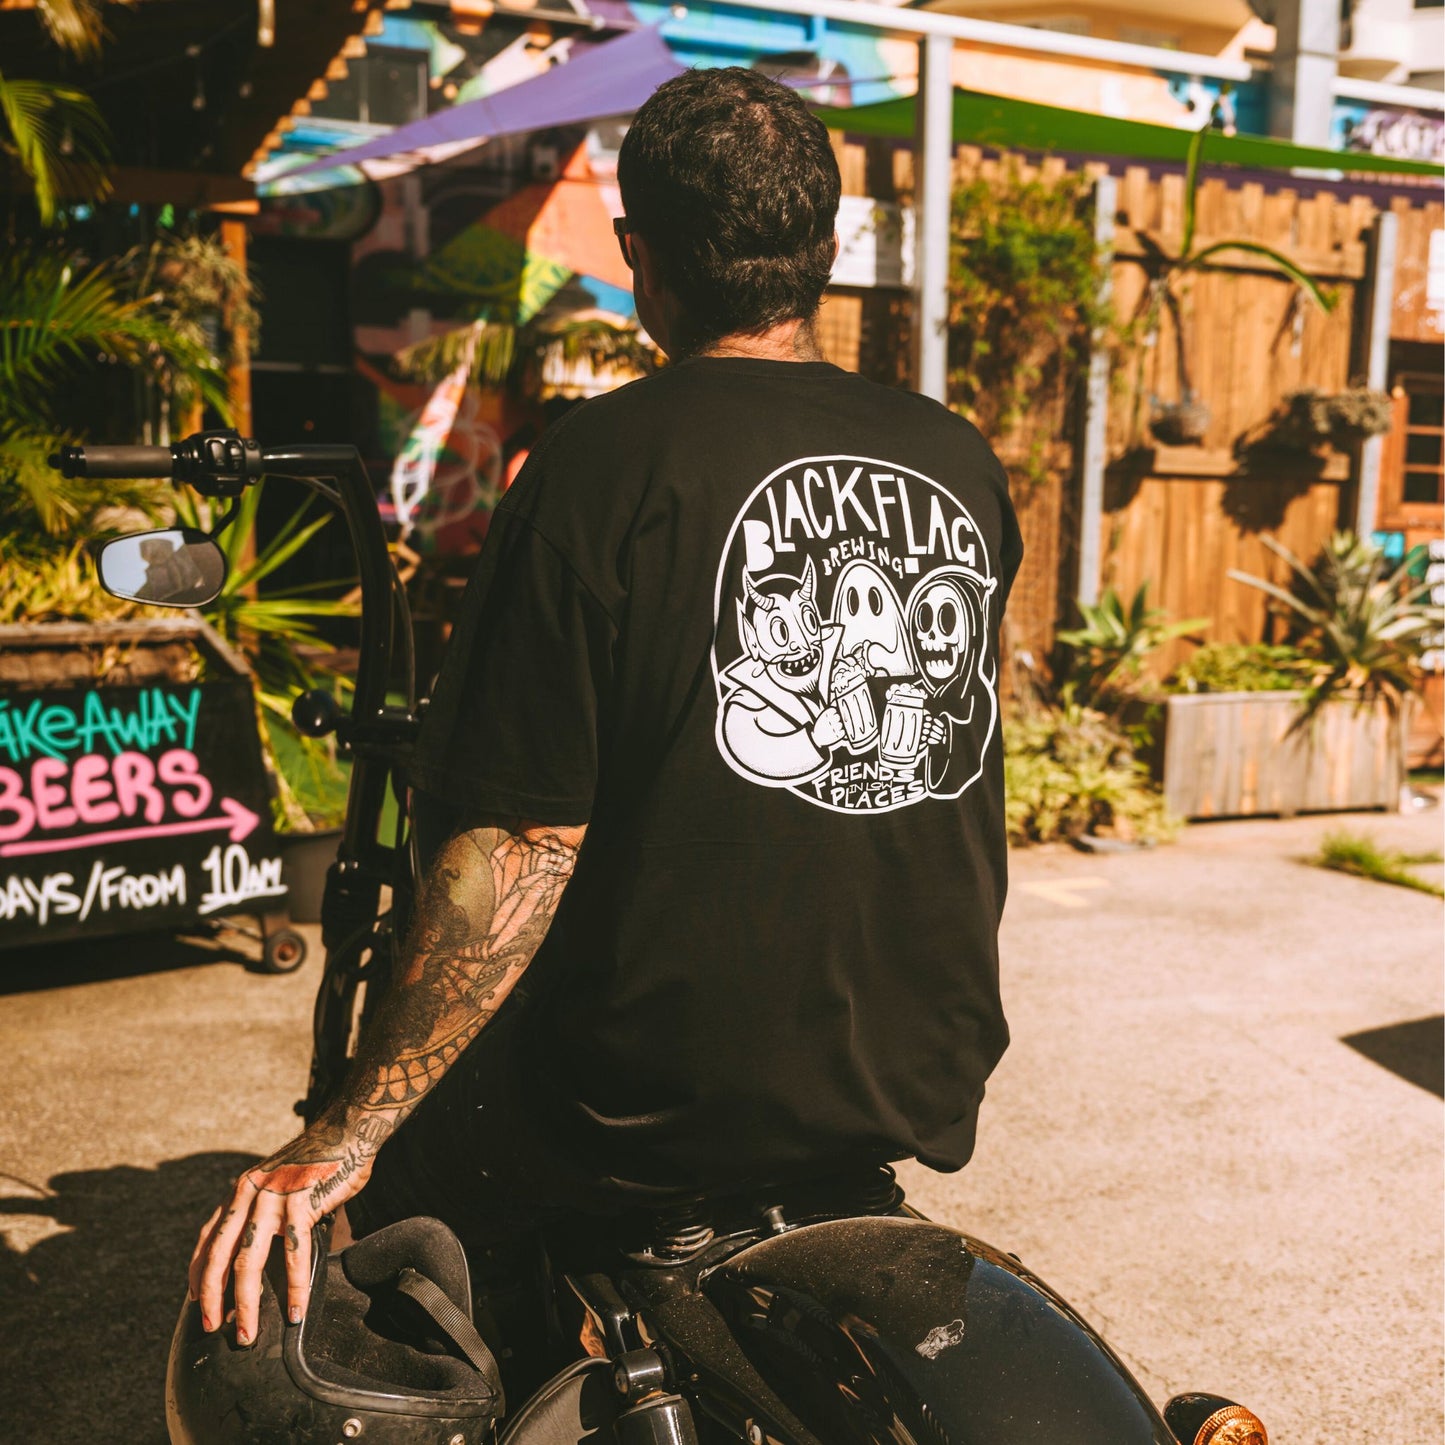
column 940, row 1338
column 851, row 646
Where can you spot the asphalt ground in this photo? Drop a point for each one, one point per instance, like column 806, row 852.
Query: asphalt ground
column 1218, row 1132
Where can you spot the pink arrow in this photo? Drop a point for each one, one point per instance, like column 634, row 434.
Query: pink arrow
column 239, row 821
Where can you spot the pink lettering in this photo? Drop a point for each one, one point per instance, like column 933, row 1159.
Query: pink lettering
column 135, row 775
column 49, row 795
column 90, row 790
column 13, row 800
column 182, row 770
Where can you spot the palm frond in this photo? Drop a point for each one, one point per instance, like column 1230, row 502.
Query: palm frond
column 53, row 316
column 60, row 139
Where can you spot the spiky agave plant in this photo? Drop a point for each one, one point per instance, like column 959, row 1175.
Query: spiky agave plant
column 1109, row 650
column 1365, row 623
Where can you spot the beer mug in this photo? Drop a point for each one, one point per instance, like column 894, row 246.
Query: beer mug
column 855, row 705
column 900, row 740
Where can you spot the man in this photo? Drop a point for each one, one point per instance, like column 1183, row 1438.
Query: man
column 699, row 780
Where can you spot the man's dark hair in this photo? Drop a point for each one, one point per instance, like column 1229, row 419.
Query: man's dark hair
column 735, row 187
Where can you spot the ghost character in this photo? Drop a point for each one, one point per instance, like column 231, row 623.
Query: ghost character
column 775, row 724
column 866, row 607
column 948, row 629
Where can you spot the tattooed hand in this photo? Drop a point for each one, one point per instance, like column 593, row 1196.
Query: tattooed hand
column 284, row 1195
column 484, row 908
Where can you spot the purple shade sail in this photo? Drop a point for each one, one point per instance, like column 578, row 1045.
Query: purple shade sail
column 609, row 79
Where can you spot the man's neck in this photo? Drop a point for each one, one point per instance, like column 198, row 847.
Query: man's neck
column 791, row 341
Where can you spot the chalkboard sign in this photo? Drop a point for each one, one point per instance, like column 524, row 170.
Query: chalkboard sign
column 126, row 808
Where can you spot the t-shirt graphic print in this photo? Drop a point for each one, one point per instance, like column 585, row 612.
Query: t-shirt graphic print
column 850, row 646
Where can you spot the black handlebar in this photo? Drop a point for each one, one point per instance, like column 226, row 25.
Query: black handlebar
column 114, row 462
column 217, row 463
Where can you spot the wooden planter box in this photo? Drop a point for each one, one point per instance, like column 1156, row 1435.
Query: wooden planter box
column 1232, row 755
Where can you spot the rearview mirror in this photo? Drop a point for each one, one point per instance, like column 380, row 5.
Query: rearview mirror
column 179, row 567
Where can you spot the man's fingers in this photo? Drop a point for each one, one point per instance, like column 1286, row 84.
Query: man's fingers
column 261, row 1228
column 215, row 1261
column 297, row 1233
column 193, row 1271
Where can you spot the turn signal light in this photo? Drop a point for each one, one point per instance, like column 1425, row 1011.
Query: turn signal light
column 1213, row 1420
column 1233, row 1425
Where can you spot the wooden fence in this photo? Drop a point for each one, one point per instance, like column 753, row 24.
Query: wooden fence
column 1181, row 518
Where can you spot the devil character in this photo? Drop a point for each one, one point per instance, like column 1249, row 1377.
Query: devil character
column 866, row 607
column 777, row 724
column 948, row 629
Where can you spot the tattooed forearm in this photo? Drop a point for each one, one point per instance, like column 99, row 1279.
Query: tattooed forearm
column 482, row 913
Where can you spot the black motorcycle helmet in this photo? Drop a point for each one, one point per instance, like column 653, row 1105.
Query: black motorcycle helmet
column 387, row 1353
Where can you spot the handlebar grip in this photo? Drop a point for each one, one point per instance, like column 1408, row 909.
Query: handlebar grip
column 114, row 462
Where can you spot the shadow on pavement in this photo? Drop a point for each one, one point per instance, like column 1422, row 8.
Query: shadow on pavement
column 1415, row 1051
column 89, row 960
column 88, row 1314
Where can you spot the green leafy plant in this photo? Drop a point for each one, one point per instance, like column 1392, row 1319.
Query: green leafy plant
column 1242, row 667
column 56, row 135
column 1187, row 420
column 1105, row 657
column 1364, row 623
column 56, row 318
column 1024, row 284
column 1070, row 771
column 1362, row 856
column 54, row 132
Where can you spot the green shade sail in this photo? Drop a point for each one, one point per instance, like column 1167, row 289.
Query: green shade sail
column 1009, row 124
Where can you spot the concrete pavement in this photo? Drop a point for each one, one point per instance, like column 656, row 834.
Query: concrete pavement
column 1178, row 1139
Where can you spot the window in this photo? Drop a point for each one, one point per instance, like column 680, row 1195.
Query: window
column 1412, row 465
column 1424, row 456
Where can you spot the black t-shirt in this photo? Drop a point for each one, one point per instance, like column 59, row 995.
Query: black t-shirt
column 742, row 619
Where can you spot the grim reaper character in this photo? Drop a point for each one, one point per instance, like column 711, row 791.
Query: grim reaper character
column 776, row 725
column 948, row 630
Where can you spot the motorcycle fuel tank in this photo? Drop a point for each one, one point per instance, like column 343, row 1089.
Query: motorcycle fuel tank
column 893, row 1331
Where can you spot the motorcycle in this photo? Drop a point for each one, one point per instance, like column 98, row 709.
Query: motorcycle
column 827, row 1312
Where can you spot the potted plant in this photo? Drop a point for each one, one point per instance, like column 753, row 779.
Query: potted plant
column 1317, row 724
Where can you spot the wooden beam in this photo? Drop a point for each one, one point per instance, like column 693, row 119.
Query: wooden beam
column 194, row 190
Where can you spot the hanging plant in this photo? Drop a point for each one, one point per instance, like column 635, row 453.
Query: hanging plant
column 1186, row 421
column 1345, row 419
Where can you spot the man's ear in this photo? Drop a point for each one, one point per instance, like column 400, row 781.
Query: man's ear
column 837, row 246
column 645, row 265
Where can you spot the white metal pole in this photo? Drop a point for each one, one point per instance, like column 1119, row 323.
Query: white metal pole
column 1096, row 407
column 933, row 201
column 1306, row 64
column 1377, row 361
